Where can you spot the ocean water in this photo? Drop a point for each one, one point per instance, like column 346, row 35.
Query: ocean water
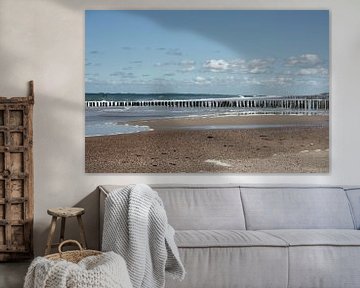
column 155, row 96
column 101, row 121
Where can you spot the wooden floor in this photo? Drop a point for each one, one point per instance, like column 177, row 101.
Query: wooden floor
column 12, row 274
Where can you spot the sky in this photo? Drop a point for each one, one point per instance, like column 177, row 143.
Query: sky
column 272, row 52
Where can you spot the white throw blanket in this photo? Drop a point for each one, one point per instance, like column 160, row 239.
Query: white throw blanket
column 136, row 227
column 103, row 271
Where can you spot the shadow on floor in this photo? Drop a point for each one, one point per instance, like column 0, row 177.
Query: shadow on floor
column 12, row 274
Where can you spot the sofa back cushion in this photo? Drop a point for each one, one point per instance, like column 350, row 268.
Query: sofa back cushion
column 296, row 208
column 354, row 198
column 203, row 208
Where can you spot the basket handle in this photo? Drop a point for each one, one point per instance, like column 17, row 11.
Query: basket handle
column 69, row 241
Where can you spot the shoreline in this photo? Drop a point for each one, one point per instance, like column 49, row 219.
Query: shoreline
column 264, row 150
column 248, row 121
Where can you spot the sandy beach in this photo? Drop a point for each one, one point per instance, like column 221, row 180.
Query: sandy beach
column 297, row 149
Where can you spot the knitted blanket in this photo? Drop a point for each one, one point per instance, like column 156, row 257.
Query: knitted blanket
column 102, row 271
column 136, row 227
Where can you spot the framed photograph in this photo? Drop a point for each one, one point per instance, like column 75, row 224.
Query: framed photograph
column 185, row 91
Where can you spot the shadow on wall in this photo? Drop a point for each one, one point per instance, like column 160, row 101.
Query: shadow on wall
column 18, row 66
column 61, row 174
column 173, row 20
column 91, row 219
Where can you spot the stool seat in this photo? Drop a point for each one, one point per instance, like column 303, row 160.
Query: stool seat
column 66, row 211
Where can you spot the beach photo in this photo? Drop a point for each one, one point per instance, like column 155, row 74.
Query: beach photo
column 207, row 91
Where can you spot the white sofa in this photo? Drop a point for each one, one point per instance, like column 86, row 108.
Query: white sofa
column 264, row 237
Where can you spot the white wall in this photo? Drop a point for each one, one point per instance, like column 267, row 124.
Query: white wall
column 43, row 40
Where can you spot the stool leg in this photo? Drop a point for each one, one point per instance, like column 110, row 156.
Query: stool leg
column 62, row 230
column 82, row 232
column 51, row 235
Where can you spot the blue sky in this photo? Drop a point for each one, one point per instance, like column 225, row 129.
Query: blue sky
column 227, row 52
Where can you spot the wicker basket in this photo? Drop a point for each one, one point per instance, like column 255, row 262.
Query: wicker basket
column 72, row 256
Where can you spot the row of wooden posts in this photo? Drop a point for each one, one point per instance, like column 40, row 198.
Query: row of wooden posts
column 292, row 103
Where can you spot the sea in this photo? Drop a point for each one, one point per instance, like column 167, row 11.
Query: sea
column 101, row 121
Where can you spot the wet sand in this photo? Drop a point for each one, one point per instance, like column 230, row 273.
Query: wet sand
column 244, row 120
column 261, row 150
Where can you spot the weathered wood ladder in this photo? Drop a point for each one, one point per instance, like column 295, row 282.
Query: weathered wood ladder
column 16, row 176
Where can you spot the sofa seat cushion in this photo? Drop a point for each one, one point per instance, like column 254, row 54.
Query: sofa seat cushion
column 233, row 267
column 225, row 238
column 317, row 237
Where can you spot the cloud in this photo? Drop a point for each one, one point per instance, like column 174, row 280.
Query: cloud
column 127, row 75
column 91, row 77
column 281, row 80
column 186, row 65
column 257, row 70
column 161, row 80
column 217, row 65
column 169, row 74
column 187, row 62
column 174, row 52
column 313, row 71
column 103, row 82
column 303, row 60
column 238, row 64
column 162, row 64
column 312, row 82
column 254, row 66
column 97, row 81
column 259, row 66
column 187, row 69
column 199, row 80
column 250, row 81
column 271, row 81
column 278, row 80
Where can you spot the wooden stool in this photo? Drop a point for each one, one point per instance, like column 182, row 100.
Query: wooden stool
column 64, row 213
